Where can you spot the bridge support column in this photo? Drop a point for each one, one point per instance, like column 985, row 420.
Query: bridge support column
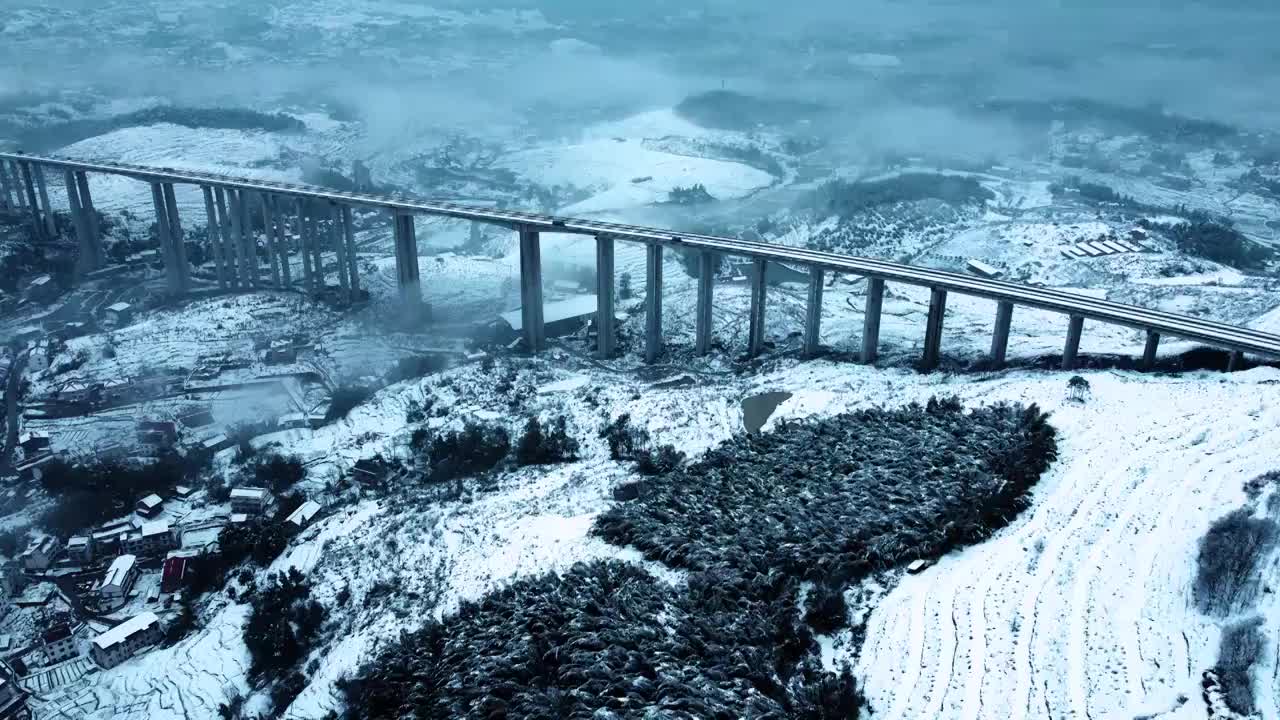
column 336, row 238
column 1074, row 329
column 349, row 240
column 871, row 320
column 813, row 313
column 531, row 290
column 269, row 237
column 755, row 324
column 14, row 174
column 933, row 330
column 177, row 238
column 246, row 259
column 1149, row 352
column 85, row 261
column 214, row 230
column 6, row 187
column 304, row 246
column 653, row 303
column 407, row 266
column 172, row 281
column 42, row 188
column 33, row 202
column 605, row 331
column 1236, row 361
column 226, row 225
column 93, row 232
column 1000, row 338
column 706, row 296
column 315, row 214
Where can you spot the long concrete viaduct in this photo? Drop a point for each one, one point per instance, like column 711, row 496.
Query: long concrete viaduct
column 320, row 219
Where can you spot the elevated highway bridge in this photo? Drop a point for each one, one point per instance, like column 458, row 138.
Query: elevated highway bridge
column 233, row 235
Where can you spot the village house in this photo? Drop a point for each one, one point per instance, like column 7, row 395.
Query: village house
column 302, row 517
column 161, row 434
column 39, row 554
column 118, row 579
column 149, row 506
column 80, row 549
column 118, row 314
column 176, row 567
column 33, row 443
column 124, row 640
column 59, row 640
column 42, row 289
column 76, row 391
column 42, row 354
column 152, row 539
column 249, row 500
column 182, row 491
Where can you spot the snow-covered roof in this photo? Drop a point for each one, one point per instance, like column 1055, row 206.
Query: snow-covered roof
column 182, row 490
column 42, row 280
column 42, row 545
column 151, row 501
column 119, row 570
column 304, row 513
column 249, row 493
column 77, row 541
column 126, row 630
column 160, row 527
column 119, row 307
column 555, row 311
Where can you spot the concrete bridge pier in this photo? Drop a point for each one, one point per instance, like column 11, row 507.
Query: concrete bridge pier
column 755, row 324
column 1149, row 352
column 214, row 230
column 226, row 227
column 282, row 240
column 335, row 236
column 605, row 330
column 706, row 293
column 304, row 245
column 933, row 330
column 42, row 187
column 314, row 214
column 15, row 178
column 85, row 261
column 871, row 320
column 6, row 187
column 33, row 202
column 349, row 240
column 531, row 290
column 94, row 233
column 239, row 237
column 172, row 280
column 269, row 238
column 813, row 313
column 653, row 303
column 1075, row 328
column 1000, row 338
column 177, row 238
column 407, row 266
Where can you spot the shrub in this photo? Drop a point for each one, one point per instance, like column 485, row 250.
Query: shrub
column 627, row 442
column 624, row 286
column 476, row 449
column 1229, row 565
column 689, row 261
column 91, row 494
column 692, row 195
column 826, row 610
column 261, row 542
column 608, row 640
column 830, row 500
column 546, row 446
column 1241, row 647
column 1077, row 388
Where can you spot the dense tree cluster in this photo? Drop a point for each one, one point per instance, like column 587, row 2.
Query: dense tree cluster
column 628, row 442
column 257, row 541
column 847, row 199
column 1219, row 241
column 278, row 473
column 693, row 195
column 589, row 644
column 829, row 500
column 345, row 399
column 546, row 445
column 87, row 495
column 470, row 451
column 282, row 628
column 48, row 136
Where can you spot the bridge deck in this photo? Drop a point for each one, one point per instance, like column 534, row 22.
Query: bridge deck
column 1167, row 324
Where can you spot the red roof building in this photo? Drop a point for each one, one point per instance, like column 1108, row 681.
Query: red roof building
column 175, row 571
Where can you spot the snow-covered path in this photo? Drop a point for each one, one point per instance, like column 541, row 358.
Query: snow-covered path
column 1081, row 608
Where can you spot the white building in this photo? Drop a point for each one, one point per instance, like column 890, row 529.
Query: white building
column 118, row 314
column 304, row 514
column 121, row 642
column 152, row 538
column 119, row 578
column 39, row 554
column 80, row 549
column 149, row 506
column 59, row 642
column 249, row 500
